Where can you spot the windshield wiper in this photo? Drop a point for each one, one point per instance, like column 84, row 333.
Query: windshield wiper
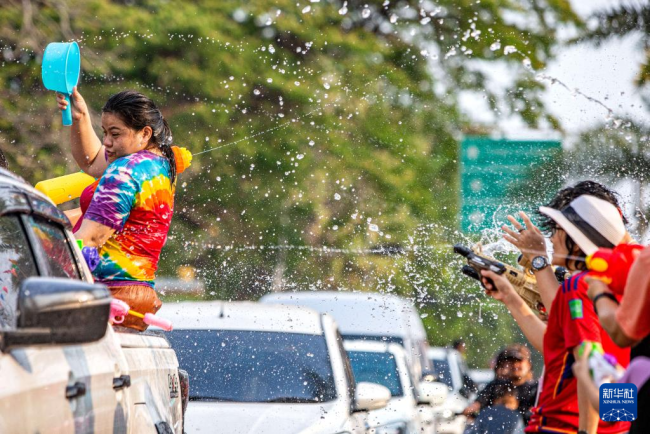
column 293, row 399
column 212, row 399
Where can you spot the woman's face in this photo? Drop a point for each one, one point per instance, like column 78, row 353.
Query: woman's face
column 120, row 140
column 561, row 255
column 560, row 252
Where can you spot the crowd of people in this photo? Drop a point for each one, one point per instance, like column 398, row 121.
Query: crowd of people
column 581, row 310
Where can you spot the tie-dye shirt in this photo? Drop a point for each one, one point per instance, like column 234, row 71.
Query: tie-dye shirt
column 134, row 197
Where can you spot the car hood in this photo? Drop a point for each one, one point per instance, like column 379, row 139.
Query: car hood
column 261, row 418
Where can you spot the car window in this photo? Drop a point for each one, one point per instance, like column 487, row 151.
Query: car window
column 443, row 371
column 252, row 366
column 16, row 265
column 375, row 367
column 59, row 258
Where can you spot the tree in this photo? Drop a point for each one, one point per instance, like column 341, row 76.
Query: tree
column 336, row 123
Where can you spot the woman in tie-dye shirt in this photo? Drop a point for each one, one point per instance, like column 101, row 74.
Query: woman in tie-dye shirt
column 131, row 209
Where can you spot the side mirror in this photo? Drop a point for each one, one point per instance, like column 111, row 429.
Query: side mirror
column 433, row 393
column 370, row 396
column 58, row 311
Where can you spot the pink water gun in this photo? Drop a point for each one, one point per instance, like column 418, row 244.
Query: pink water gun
column 120, row 309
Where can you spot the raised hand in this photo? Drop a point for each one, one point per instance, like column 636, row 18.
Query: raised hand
column 79, row 107
column 497, row 286
column 527, row 237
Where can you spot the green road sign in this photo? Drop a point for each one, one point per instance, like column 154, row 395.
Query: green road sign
column 490, row 169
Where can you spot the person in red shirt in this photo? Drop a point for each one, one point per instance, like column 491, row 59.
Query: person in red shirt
column 629, row 326
column 586, row 223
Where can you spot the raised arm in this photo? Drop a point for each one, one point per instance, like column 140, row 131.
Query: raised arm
column 86, row 146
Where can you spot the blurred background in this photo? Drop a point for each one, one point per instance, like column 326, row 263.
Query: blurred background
column 343, row 135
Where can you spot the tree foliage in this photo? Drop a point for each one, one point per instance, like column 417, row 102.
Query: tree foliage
column 335, row 126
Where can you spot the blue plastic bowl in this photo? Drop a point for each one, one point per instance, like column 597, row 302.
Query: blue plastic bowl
column 60, row 71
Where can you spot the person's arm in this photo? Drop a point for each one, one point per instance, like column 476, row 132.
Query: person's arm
column 472, row 409
column 111, row 205
column 588, row 417
column 73, row 215
column 607, row 313
column 531, row 326
column 547, row 286
column 531, row 243
column 93, row 234
column 86, row 146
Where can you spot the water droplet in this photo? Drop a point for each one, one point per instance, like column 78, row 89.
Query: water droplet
column 344, row 9
column 373, row 227
column 306, row 9
column 337, row 196
column 393, row 19
column 495, row 46
column 365, row 13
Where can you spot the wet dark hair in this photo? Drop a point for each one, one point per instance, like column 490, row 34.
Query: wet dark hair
column 3, row 160
column 578, row 256
column 138, row 111
column 563, row 198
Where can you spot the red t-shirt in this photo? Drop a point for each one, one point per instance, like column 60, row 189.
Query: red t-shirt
column 572, row 320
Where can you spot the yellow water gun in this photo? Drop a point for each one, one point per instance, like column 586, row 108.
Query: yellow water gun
column 69, row 187
column 65, row 188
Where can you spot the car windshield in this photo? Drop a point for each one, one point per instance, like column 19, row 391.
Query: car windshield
column 379, row 368
column 442, row 370
column 253, row 366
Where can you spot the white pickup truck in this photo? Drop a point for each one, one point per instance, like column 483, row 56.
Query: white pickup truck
column 63, row 369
